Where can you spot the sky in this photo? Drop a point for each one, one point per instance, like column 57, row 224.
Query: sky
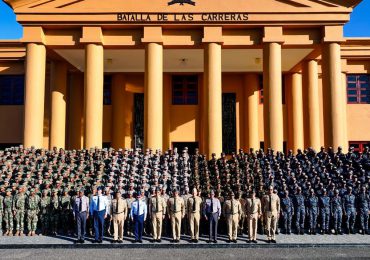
column 359, row 25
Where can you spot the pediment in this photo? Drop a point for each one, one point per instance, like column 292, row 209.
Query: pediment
column 98, row 6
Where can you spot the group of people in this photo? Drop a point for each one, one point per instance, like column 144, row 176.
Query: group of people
column 131, row 192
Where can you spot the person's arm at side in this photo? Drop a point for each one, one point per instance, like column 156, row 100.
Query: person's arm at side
column 145, row 210
column 87, row 207
column 219, row 208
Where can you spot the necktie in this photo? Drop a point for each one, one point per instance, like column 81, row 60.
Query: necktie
column 80, row 205
column 270, row 203
column 174, row 205
column 138, row 207
column 98, row 203
column 194, row 204
column 117, row 206
column 252, row 205
column 157, row 204
column 211, row 205
column 232, row 206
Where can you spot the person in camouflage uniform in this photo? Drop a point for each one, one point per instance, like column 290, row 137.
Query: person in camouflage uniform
column 33, row 208
column 45, row 212
column 20, row 210
column 65, row 212
column 8, row 212
column 1, row 213
column 54, row 212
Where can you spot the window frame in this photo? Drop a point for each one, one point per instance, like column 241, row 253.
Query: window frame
column 358, row 89
column 185, row 90
column 107, row 88
column 13, row 90
column 361, row 145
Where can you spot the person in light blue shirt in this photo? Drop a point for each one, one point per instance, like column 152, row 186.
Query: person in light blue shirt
column 99, row 205
column 138, row 216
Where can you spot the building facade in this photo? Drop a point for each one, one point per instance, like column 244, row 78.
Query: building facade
column 215, row 74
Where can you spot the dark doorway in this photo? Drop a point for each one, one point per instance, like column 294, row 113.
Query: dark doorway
column 229, row 123
column 139, row 120
column 181, row 145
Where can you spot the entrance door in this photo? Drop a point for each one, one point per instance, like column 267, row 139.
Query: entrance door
column 229, row 122
column 181, row 145
column 139, row 120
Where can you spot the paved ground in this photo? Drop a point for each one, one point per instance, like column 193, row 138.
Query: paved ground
column 215, row 253
column 283, row 241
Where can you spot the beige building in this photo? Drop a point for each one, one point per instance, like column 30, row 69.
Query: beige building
column 215, row 74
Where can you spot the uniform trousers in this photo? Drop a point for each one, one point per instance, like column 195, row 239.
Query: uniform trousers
column 176, row 225
column 252, row 226
column 232, row 224
column 271, row 221
column 99, row 224
column 118, row 225
column 157, row 219
column 213, row 224
column 81, row 225
column 138, row 226
column 194, row 219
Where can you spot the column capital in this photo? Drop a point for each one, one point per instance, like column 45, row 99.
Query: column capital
column 34, row 34
column 152, row 34
column 343, row 63
column 332, row 34
column 92, row 35
column 212, row 34
column 273, row 34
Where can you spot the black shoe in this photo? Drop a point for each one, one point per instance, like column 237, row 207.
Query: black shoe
column 249, row 241
column 77, row 241
column 114, row 241
column 95, row 241
column 173, row 241
column 153, row 240
column 254, row 241
column 215, row 241
column 228, row 241
column 196, row 240
column 269, row 241
column 134, row 241
column 140, row 241
column 209, row 241
column 235, row 241
column 82, row 241
column 273, row 241
column 159, row 240
column 120, row 241
column 100, row 241
column 302, row 232
column 288, row 232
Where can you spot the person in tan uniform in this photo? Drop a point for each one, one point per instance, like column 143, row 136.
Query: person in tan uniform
column 232, row 211
column 119, row 211
column 157, row 211
column 243, row 217
column 253, row 213
column 176, row 211
column 193, row 207
column 271, row 210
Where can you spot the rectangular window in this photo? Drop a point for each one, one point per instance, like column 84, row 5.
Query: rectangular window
column 185, row 89
column 358, row 89
column 11, row 89
column 107, row 99
column 359, row 146
column 260, row 88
